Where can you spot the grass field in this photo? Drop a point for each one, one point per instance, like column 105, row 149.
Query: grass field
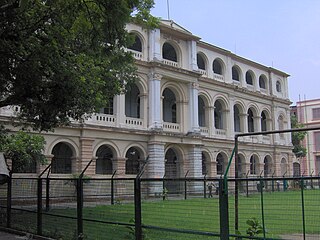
column 282, row 215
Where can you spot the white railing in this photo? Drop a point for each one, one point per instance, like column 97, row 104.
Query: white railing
column 203, row 72
column 250, row 87
column 262, row 90
column 218, row 77
column 10, row 111
column 171, row 127
column 102, row 119
column 204, row 131
column 134, row 122
column 220, row 132
column 136, row 54
column 170, row 63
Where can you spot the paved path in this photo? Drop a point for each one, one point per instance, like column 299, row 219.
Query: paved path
column 10, row 236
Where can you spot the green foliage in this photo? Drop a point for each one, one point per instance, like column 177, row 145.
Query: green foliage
column 65, row 58
column 297, row 137
column 255, row 228
column 24, row 149
column 165, row 193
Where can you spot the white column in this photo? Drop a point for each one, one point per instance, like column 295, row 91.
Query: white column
column 193, row 55
column 120, row 112
column 228, row 122
column 156, row 164
column 155, row 120
column 193, row 108
column 193, row 163
column 155, row 167
column 155, row 45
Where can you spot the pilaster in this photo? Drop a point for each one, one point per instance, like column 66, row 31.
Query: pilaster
column 86, row 154
column 155, row 120
column 193, row 108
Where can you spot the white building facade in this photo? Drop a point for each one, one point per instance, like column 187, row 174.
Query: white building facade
column 182, row 115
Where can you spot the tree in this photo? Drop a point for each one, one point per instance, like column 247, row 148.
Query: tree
column 24, row 149
column 62, row 59
column 297, row 137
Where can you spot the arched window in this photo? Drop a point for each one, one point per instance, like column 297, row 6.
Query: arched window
column 171, row 171
column 281, row 125
column 200, row 62
column 218, row 115
column 133, row 102
column 267, row 169
column 220, row 164
column 217, row 67
column 133, row 161
column 235, row 74
column 204, row 164
column 263, row 122
column 236, row 119
column 249, row 78
column 169, row 106
column 169, row 53
column 202, row 112
column 278, row 86
column 104, row 160
column 254, row 168
column 250, row 121
column 137, row 45
column 296, row 169
column 283, row 166
column 262, row 82
column 61, row 161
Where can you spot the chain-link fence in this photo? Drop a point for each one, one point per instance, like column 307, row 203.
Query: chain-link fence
column 122, row 208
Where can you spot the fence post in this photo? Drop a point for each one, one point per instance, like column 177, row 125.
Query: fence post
column 224, row 211
column 47, row 194
column 185, row 185
column 39, row 207
column 112, row 187
column 79, row 208
column 302, row 207
column 137, row 204
column 262, row 207
column 9, row 199
column 205, row 186
column 247, row 183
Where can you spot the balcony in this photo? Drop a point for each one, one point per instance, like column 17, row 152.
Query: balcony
column 220, row 132
column 203, row 72
column 204, row 131
column 171, row 127
column 170, row 63
column 102, row 120
column 137, row 55
column 218, row 77
column 136, row 123
column 10, row 111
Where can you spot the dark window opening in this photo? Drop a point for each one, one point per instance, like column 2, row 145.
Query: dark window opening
column 169, row 53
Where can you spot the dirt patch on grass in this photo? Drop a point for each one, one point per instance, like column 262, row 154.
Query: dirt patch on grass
column 300, row 237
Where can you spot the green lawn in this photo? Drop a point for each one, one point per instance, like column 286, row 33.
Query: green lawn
column 282, row 212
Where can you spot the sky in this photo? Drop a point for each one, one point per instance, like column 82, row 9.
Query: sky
column 284, row 34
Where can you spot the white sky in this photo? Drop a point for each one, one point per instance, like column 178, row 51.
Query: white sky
column 284, row 34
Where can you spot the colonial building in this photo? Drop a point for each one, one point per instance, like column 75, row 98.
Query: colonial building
column 308, row 113
column 182, row 115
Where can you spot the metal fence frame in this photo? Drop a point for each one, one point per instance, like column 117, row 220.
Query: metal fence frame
column 138, row 181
